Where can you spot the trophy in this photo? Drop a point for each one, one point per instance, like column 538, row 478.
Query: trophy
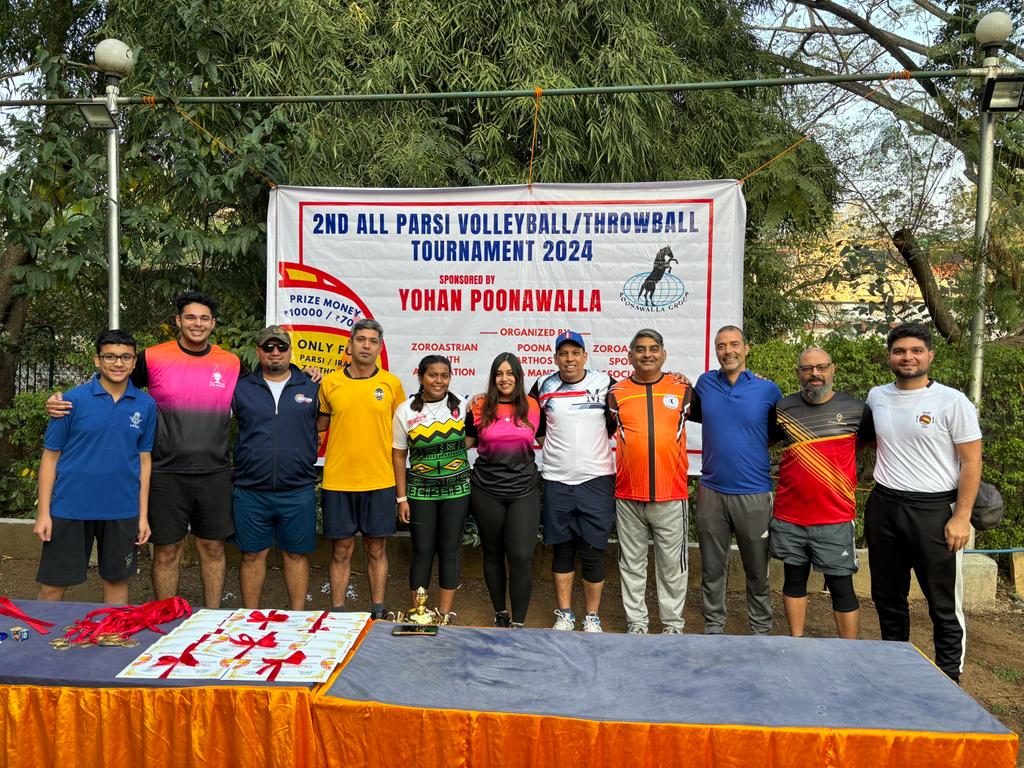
column 419, row 613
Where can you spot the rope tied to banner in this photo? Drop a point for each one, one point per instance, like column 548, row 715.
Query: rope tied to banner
column 900, row 75
column 533, row 141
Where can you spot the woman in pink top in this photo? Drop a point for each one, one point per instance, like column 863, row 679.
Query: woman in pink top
column 503, row 424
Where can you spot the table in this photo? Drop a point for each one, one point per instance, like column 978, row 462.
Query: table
column 490, row 697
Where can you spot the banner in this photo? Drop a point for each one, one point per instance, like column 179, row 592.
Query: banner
column 472, row 272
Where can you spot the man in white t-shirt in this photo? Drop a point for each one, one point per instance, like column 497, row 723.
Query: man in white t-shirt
column 579, row 477
column 918, row 517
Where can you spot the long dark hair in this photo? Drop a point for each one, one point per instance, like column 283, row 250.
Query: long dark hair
column 520, row 405
column 421, row 369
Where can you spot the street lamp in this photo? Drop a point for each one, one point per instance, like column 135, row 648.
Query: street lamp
column 991, row 33
column 116, row 61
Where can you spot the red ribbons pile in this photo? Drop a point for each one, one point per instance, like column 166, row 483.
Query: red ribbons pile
column 265, row 619
column 248, row 642
column 274, row 665
column 124, row 621
column 7, row 608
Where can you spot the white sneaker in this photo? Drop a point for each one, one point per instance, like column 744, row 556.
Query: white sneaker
column 592, row 623
column 566, row 621
column 672, row 631
column 636, row 629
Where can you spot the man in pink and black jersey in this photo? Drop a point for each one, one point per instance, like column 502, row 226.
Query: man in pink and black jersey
column 192, row 382
column 812, row 520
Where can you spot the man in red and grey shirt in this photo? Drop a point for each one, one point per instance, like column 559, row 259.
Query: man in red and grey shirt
column 812, row 522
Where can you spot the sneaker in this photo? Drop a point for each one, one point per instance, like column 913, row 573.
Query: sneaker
column 502, row 619
column 378, row 615
column 636, row 629
column 517, row 625
column 672, row 631
column 592, row 623
column 566, row 620
column 449, row 619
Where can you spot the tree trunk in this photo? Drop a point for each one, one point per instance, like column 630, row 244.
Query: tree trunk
column 921, row 268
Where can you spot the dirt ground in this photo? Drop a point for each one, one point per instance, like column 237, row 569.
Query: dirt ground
column 994, row 673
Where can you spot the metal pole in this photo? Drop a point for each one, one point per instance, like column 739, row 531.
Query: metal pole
column 986, row 151
column 113, row 213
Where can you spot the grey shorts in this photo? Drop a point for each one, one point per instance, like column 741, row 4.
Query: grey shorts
column 831, row 549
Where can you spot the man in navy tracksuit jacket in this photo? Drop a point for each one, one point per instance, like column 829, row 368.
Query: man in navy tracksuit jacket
column 275, row 469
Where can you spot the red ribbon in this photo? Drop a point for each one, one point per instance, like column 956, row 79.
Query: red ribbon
column 258, row 616
column 7, row 608
column 185, row 658
column 318, row 625
column 127, row 620
column 249, row 642
column 274, row 665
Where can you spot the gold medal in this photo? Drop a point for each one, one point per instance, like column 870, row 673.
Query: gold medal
column 60, row 644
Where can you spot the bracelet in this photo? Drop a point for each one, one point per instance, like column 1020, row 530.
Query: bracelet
column 400, row 499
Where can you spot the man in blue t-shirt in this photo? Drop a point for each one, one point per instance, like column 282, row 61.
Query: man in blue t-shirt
column 94, row 477
column 735, row 495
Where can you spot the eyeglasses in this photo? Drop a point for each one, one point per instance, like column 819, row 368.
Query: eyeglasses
column 820, row 368
column 197, row 318
column 274, row 346
column 110, row 358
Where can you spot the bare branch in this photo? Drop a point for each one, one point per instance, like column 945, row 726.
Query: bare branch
column 902, row 42
column 935, row 10
column 18, row 72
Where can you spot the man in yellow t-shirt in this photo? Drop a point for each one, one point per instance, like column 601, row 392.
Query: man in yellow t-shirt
column 359, row 477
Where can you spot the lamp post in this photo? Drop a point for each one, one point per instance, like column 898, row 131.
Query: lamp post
column 992, row 31
column 116, row 61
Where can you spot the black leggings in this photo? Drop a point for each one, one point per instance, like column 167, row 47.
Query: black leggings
column 563, row 559
column 508, row 530
column 840, row 588
column 436, row 529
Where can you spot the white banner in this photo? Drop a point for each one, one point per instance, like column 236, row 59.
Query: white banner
column 472, row 272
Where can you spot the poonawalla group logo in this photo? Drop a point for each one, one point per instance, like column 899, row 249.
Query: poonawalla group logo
column 657, row 290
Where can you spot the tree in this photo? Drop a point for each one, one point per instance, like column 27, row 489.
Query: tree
column 194, row 200
column 813, row 37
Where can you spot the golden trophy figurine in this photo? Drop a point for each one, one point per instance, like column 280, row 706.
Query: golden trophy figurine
column 419, row 613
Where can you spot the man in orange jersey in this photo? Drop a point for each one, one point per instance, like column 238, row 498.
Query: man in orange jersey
column 650, row 410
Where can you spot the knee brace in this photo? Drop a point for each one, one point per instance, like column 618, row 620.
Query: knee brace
column 592, row 560
column 795, row 577
column 844, row 599
column 563, row 557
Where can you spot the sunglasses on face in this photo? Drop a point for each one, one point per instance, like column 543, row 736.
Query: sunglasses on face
column 274, row 346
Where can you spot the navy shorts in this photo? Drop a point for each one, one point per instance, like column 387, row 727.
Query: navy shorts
column 371, row 513
column 830, row 548
column 287, row 518
column 64, row 561
column 585, row 511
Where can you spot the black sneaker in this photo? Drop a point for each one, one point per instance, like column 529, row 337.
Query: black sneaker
column 502, row 619
column 378, row 615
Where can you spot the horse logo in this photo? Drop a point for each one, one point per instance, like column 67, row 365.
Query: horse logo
column 663, row 262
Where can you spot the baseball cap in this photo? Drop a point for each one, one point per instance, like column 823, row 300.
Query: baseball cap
column 273, row 332
column 572, row 336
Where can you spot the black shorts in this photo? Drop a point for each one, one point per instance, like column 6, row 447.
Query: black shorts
column 830, row 548
column 64, row 561
column 180, row 502
column 585, row 511
column 371, row 513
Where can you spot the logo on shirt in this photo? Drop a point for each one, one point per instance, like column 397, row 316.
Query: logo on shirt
column 378, row 393
column 135, row 421
column 924, row 418
column 671, row 402
column 301, row 398
column 839, row 418
column 217, row 379
column 419, row 418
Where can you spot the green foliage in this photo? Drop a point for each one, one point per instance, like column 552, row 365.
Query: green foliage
column 861, row 364
column 25, row 423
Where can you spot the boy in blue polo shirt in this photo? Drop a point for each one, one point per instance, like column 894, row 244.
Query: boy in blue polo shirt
column 94, row 477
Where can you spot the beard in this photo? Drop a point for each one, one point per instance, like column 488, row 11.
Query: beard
column 815, row 393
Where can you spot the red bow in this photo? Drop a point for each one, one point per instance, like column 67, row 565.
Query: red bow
column 318, row 625
column 185, row 658
column 249, row 642
column 274, row 665
column 7, row 608
column 258, row 616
